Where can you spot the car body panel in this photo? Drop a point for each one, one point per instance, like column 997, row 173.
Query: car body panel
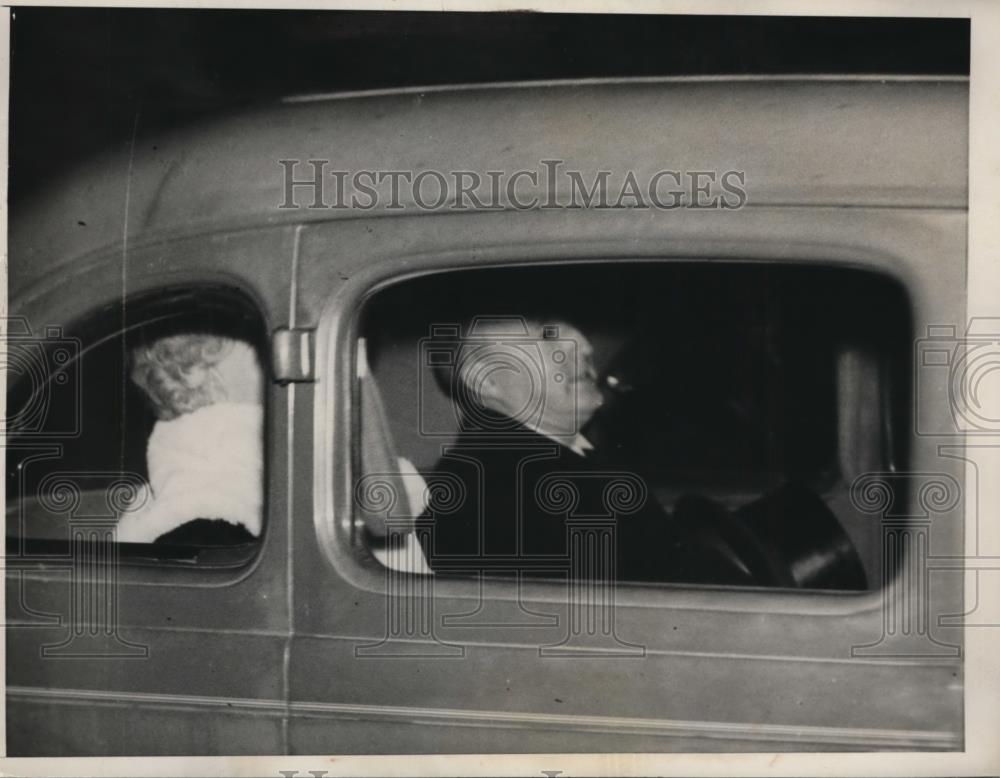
column 898, row 142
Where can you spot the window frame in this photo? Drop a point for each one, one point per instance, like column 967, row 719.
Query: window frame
column 335, row 409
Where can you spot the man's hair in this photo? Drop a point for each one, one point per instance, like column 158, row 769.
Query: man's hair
column 177, row 373
column 449, row 377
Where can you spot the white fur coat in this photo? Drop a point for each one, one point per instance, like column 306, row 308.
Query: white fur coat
column 207, row 464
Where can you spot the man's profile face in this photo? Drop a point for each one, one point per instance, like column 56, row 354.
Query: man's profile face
column 551, row 386
column 571, row 392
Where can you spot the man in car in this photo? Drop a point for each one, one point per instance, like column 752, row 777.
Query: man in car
column 522, row 468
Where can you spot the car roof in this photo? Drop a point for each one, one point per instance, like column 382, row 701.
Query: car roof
column 838, row 141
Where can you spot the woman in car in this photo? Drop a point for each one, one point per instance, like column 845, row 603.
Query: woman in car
column 204, row 453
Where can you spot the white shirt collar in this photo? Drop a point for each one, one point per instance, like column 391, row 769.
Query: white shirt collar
column 578, row 444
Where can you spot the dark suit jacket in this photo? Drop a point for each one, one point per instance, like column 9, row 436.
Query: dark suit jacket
column 512, row 499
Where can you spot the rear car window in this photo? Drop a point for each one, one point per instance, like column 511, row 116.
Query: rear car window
column 140, row 426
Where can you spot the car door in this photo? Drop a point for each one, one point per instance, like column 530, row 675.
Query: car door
column 386, row 660
column 130, row 650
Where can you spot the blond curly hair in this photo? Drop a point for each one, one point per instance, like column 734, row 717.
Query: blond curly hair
column 178, row 373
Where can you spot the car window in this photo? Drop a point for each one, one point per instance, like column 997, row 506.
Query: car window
column 712, row 415
column 140, row 425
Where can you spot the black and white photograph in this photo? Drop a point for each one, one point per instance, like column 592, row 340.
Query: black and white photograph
column 412, row 382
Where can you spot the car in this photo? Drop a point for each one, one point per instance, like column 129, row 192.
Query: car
column 788, row 252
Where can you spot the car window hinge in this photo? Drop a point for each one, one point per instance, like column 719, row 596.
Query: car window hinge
column 292, row 354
